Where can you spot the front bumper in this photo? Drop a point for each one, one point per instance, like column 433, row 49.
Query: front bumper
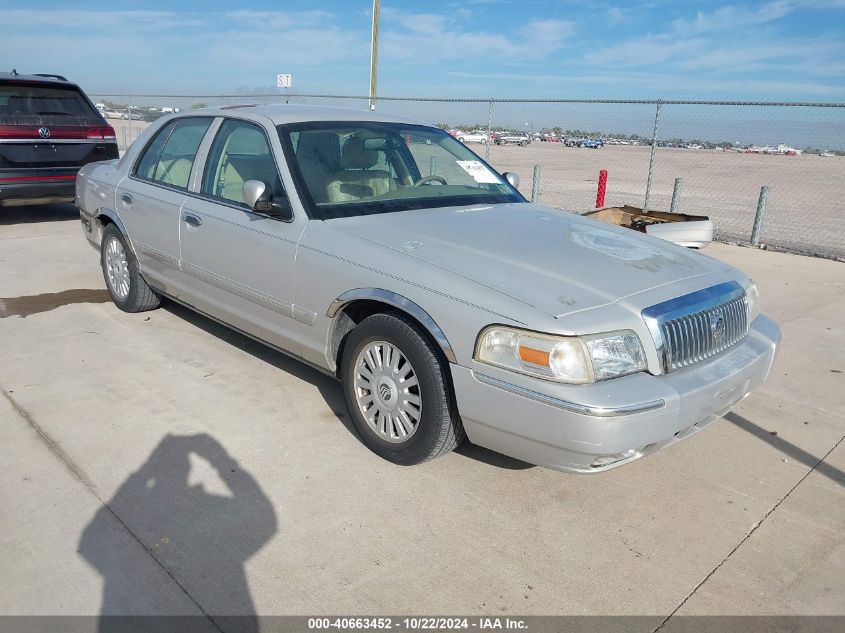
column 570, row 427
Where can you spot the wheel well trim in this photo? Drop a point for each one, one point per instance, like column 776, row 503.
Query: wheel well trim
column 115, row 219
column 397, row 301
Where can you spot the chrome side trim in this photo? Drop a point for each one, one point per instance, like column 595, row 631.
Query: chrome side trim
column 398, row 301
column 655, row 316
column 304, row 315
column 60, row 141
column 154, row 253
column 245, row 292
column 572, row 407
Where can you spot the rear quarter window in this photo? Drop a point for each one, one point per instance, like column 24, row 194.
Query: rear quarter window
column 169, row 157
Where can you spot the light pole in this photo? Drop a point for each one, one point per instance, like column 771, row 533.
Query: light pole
column 374, row 56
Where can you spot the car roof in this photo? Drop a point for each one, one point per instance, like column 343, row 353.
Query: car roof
column 42, row 79
column 280, row 114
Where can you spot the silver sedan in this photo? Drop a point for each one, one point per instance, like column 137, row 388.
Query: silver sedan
column 387, row 254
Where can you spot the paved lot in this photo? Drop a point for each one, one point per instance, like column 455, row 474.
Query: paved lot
column 157, row 463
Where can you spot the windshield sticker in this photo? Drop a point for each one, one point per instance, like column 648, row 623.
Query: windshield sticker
column 479, row 172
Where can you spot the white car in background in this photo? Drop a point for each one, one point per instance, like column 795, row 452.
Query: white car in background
column 474, row 137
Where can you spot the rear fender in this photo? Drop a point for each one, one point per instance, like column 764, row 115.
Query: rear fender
column 97, row 224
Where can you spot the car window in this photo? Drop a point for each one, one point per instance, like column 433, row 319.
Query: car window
column 146, row 165
column 352, row 168
column 240, row 152
column 169, row 158
column 23, row 103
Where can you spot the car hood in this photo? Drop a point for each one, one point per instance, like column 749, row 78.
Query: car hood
column 552, row 260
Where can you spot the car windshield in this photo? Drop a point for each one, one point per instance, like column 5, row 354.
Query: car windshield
column 347, row 168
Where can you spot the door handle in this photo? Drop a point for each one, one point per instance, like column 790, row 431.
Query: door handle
column 191, row 219
column 127, row 198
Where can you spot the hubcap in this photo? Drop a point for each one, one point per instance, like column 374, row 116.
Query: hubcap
column 117, row 268
column 387, row 391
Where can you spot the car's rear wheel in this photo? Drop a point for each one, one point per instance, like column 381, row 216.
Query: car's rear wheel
column 398, row 391
column 126, row 287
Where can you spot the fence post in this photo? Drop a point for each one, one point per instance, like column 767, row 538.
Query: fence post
column 535, row 185
column 651, row 159
column 758, row 217
column 489, row 131
column 432, row 166
column 676, row 195
column 602, row 189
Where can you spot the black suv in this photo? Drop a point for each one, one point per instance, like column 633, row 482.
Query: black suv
column 48, row 130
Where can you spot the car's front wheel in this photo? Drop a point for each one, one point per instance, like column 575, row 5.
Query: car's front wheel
column 126, row 287
column 398, row 391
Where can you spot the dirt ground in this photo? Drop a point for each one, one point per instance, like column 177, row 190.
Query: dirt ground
column 804, row 211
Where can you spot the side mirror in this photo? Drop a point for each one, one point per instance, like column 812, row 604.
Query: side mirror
column 252, row 192
column 512, row 178
column 261, row 200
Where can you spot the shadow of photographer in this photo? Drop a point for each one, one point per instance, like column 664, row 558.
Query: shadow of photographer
column 201, row 538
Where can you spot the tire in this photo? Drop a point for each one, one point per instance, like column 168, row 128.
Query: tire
column 438, row 429
column 461, row 139
column 523, row 143
column 135, row 295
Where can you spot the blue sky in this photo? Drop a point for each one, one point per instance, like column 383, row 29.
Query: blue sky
column 768, row 50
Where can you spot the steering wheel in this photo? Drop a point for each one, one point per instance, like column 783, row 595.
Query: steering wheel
column 427, row 179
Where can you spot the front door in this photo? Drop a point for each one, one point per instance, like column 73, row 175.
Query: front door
column 241, row 263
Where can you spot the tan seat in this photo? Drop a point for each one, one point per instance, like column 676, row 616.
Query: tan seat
column 174, row 171
column 318, row 155
column 355, row 180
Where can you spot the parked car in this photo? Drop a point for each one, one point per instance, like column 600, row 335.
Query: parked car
column 444, row 302
column 48, row 130
column 592, row 143
column 115, row 114
column 513, row 139
column 474, row 137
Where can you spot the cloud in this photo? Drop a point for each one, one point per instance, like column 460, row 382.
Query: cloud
column 169, row 50
column 742, row 16
column 428, row 38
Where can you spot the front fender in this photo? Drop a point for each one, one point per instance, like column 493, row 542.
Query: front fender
column 398, row 301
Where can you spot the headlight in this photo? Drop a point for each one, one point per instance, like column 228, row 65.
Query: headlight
column 571, row 359
column 752, row 298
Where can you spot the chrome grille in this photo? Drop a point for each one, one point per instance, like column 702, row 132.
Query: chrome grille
column 698, row 336
column 698, row 326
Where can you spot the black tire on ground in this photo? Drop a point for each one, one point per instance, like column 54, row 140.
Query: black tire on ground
column 140, row 297
column 439, row 430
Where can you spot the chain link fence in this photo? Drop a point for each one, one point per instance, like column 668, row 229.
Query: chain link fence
column 698, row 157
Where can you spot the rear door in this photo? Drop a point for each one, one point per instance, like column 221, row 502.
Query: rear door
column 150, row 199
column 48, row 130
